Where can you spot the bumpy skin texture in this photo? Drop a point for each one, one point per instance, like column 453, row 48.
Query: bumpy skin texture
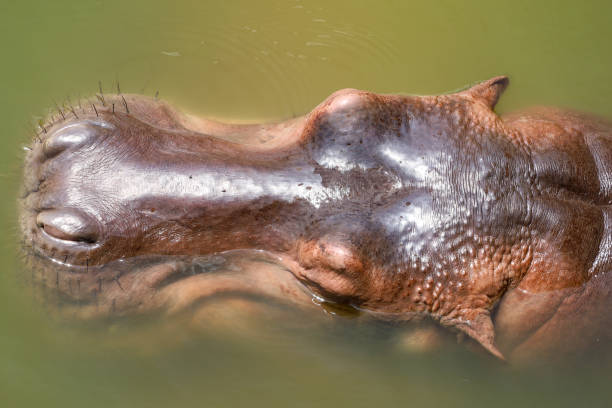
column 401, row 206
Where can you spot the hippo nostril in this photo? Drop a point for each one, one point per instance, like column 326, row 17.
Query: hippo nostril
column 74, row 134
column 68, row 225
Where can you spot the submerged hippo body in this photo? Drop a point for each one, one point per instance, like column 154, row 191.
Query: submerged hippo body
column 400, row 206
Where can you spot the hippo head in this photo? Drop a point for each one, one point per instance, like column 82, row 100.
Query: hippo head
column 398, row 205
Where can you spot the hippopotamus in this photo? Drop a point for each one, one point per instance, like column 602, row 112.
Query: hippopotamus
column 396, row 206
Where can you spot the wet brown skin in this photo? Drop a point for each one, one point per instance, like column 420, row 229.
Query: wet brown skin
column 397, row 206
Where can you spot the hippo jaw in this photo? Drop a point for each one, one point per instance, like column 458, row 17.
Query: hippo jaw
column 106, row 185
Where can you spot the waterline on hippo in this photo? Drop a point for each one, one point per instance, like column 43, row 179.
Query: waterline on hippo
column 392, row 205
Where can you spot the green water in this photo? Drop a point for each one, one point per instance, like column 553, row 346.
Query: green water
column 271, row 60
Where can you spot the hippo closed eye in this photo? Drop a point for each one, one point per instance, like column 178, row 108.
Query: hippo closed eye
column 398, row 206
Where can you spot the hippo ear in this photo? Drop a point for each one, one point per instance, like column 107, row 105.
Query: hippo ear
column 488, row 91
column 478, row 325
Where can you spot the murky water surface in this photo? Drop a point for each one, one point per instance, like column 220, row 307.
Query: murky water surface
column 267, row 60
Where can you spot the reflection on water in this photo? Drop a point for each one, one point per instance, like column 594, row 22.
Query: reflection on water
column 272, row 60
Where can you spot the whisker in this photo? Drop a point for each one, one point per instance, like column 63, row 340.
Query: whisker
column 101, row 95
column 36, row 136
column 73, row 112
column 125, row 103
column 116, row 279
column 101, row 99
column 42, row 126
column 59, row 110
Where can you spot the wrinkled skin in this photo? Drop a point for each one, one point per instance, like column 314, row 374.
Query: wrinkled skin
column 395, row 206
